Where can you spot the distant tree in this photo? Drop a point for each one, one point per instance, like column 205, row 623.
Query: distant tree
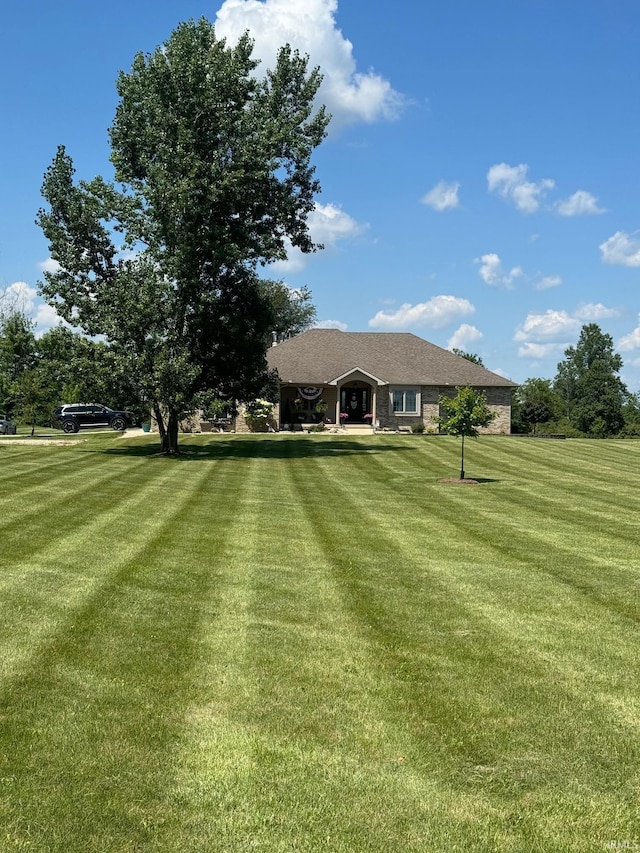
column 212, row 180
column 293, row 310
column 537, row 403
column 17, row 352
column 33, row 398
column 68, row 361
column 592, row 392
column 470, row 356
column 83, row 370
column 631, row 414
column 464, row 414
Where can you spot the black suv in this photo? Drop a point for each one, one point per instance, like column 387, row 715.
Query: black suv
column 70, row 418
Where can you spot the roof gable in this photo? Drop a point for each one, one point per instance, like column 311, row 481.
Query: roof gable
column 356, row 373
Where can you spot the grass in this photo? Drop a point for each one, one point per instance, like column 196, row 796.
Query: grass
column 307, row 643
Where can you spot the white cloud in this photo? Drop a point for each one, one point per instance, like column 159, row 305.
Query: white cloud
column 551, row 324
column 630, row 341
column 328, row 224
column 19, row 296
column 622, row 249
column 46, row 318
column 442, row 197
column 590, row 312
column 49, row 265
column 464, row 336
column 511, row 183
column 296, row 260
column 331, row 324
column 581, row 203
column 500, row 372
column 310, row 26
column 491, row 271
column 549, row 334
column 435, row 314
column 533, row 350
column 548, row 281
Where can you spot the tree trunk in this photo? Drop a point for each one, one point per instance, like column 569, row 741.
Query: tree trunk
column 171, row 446
column 462, row 460
column 168, row 431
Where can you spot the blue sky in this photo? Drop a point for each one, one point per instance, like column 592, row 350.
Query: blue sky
column 480, row 179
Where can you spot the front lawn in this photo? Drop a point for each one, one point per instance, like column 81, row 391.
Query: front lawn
column 308, row 643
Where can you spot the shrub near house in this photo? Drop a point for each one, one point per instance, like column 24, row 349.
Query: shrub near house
column 259, row 416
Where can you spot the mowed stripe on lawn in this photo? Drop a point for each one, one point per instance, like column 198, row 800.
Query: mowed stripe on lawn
column 362, row 726
column 321, row 647
column 94, row 715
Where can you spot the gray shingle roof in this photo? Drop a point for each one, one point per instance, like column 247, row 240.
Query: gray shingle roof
column 319, row 356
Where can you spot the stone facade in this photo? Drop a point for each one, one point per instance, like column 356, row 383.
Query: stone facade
column 286, row 416
column 499, row 401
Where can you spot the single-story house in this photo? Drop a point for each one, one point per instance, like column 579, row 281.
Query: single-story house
column 383, row 379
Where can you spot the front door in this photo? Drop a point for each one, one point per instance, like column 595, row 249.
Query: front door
column 355, row 402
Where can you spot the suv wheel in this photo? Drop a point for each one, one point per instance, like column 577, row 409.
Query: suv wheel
column 118, row 424
column 70, row 426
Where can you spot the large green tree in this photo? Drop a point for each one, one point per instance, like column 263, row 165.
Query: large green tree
column 535, row 402
column 463, row 415
column 212, row 179
column 588, row 383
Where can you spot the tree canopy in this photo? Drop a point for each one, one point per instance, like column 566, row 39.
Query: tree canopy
column 293, row 310
column 17, row 352
column 588, row 383
column 213, row 178
column 60, row 366
column 535, row 402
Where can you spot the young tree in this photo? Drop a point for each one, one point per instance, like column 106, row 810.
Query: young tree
column 464, row 413
column 588, row 383
column 213, row 176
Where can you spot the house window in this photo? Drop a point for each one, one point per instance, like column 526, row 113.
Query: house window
column 405, row 401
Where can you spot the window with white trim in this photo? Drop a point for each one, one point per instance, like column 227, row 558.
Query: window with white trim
column 405, row 401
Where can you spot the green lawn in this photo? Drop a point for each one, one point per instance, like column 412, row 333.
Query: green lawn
column 308, row 643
